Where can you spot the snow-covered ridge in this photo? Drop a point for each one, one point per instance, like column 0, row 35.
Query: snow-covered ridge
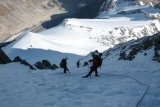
column 124, row 34
column 81, row 36
column 108, row 35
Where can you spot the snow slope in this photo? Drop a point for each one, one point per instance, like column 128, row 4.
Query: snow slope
column 121, row 84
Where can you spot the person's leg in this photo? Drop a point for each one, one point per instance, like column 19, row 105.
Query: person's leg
column 65, row 69
column 96, row 72
column 90, row 72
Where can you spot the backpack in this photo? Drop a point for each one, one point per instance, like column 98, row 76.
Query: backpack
column 97, row 62
column 62, row 63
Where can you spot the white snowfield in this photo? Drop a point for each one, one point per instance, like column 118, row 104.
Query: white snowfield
column 81, row 36
column 120, row 84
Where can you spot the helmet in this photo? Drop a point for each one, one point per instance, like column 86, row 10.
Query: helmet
column 66, row 58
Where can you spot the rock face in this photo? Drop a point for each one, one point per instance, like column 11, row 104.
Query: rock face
column 4, row 59
column 16, row 15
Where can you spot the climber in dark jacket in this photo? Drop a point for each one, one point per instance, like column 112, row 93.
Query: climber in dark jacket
column 95, row 63
column 63, row 64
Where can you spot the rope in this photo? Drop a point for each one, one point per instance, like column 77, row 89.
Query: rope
column 144, row 92
column 143, row 95
column 129, row 77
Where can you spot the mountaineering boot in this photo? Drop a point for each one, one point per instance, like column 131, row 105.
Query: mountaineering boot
column 84, row 77
column 97, row 75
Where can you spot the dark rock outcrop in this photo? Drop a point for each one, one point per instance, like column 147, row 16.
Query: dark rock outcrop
column 44, row 64
column 144, row 44
column 129, row 50
column 24, row 62
column 4, row 59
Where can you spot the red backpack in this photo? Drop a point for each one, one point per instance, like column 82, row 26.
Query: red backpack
column 96, row 62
